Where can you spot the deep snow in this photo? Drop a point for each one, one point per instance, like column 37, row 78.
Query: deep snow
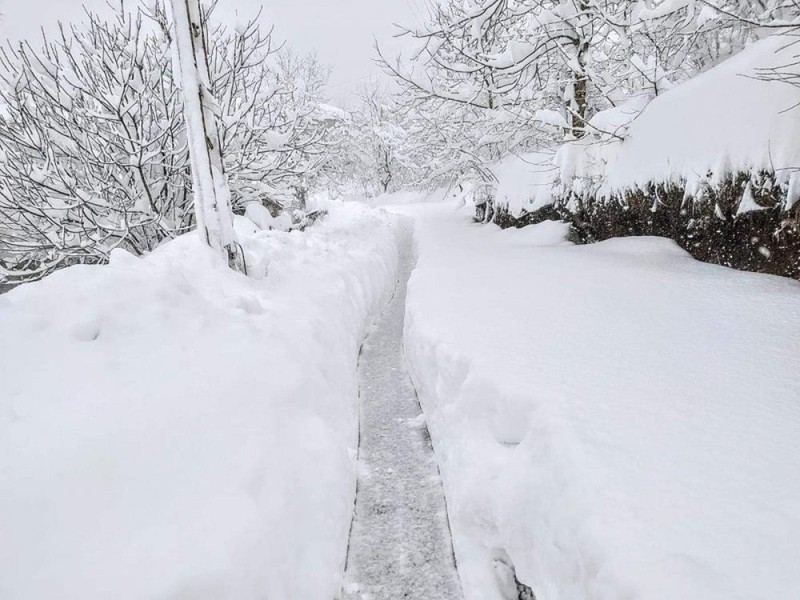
column 614, row 421
column 736, row 117
column 171, row 429
column 618, row 421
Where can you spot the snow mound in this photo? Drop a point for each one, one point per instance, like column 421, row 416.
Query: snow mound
column 546, row 233
column 172, row 429
column 616, row 120
column 616, row 420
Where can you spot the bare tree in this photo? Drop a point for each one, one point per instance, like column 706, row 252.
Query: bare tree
column 93, row 146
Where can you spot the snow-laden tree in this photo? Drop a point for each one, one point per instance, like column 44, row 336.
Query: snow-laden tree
column 527, row 74
column 375, row 156
column 377, row 147
column 92, row 152
column 569, row 58
column 93, row 149
column 275, row 138
column 525, row 55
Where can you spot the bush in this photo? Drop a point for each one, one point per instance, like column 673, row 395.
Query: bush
column 712, row 228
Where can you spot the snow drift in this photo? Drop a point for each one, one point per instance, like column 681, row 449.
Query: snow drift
column 616, row 420
column 171, row 429
column 525, row 182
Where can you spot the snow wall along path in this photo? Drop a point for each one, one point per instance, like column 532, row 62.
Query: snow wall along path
column 170, row 429
column 617, row 421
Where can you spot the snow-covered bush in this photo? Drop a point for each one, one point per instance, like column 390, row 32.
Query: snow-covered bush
column 496, row 78
column 93, row 153
column 713, row 164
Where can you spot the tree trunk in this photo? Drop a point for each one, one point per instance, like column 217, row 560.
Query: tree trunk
column 212, row 198
column 578, row 108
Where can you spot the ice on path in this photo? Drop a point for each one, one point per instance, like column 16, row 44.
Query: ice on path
column 400, row 544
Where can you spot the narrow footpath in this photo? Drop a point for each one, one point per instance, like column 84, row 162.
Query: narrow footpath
column 400, row 545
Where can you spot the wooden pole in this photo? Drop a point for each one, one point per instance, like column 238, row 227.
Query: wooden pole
column 212, row 198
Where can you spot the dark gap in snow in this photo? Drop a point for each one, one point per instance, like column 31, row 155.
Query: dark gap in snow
column 507, row 581
column 508, row 444
column 525, row 593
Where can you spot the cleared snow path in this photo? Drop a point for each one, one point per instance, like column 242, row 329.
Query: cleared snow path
column 400, row 545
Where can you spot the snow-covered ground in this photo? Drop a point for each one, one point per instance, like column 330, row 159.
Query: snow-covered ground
column 171, row 429
column 618, row 420
column 614, row 421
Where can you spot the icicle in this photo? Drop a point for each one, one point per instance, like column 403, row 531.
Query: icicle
column 748, row 202
column 793, row 193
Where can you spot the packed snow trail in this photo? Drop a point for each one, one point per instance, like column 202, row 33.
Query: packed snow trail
column 400, row 545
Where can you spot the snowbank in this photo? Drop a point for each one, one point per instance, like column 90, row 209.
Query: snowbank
column 736, row 117
column 171, row 429
column 617, row 420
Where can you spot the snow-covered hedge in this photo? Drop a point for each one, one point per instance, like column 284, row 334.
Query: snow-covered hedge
column 739, row 117
column 713, row 163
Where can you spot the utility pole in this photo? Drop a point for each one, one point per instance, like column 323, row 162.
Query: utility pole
column 212, row 197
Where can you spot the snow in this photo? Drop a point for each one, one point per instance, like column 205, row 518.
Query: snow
column 330, row 112
column 645, row 10
column 172, row 429
column 726, row 120
column 259, row 215
column 748, row 202
column 793, row 191
column 616, row 120
column 405, row 197
column 615, row 420
column 693, row 134
column 525, row 182
column 276, row 140
column 551, row 117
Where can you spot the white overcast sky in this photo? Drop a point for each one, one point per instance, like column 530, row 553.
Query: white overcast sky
column 340, row 31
